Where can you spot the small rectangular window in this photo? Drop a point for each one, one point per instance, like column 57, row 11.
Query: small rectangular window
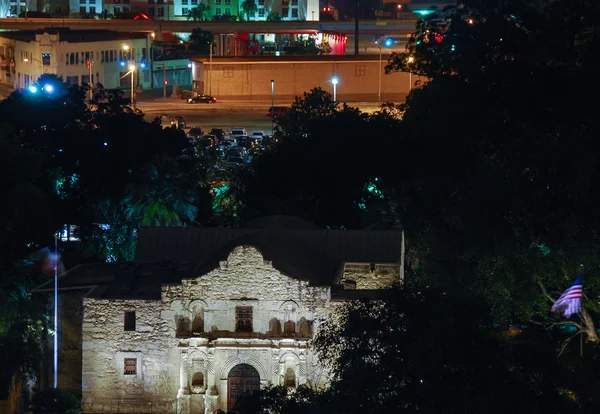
column 184, row 2
column 243, row 318
column 184, row 11
column 217, row 11
column 227, row 11
column 46, row 59
column 228, row 72
column 194, row 2
column 161, row 12
column 294, row 12
column 130, row 366
column 294, row 2
column 82, row 9
column 261, row 12
column 359, row 70
column 129, row 321
column 150, row 10
column 227, row 2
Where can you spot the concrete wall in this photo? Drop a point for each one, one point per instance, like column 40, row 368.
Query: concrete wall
column 359, row 80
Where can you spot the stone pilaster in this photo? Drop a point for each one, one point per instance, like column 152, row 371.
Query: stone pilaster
column 183, row 375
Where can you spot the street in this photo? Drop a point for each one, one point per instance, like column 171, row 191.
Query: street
column 247, row 114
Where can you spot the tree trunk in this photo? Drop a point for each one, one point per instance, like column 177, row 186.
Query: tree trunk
column 588, row 326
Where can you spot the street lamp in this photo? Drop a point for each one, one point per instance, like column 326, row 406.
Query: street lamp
column 132, row 70
column 335, row 81
column 272, row 107
column 379, row 86
column 410, row 60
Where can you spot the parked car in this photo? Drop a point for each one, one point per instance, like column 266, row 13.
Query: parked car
column 258, row 135
column 237, row 132
column 195, row 132
column 238, row 152
column 277, row 111
column 234, row 162
column 219, row 133
column 202, row 99
column 247, row 142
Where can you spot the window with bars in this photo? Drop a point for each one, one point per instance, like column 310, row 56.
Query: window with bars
column 359, row 70
column 243, row 318
column 130, row 366
column 129, row 321
column 228, row 72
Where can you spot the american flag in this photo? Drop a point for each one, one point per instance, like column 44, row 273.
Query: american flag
column 570, row 301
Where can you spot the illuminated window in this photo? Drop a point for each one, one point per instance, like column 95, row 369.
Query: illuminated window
column 130, row 366
column 129, row 321
column 359, row 70
column 243, row 318
column 228, row 72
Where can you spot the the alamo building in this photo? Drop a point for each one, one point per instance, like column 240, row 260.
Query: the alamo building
column 205, row 314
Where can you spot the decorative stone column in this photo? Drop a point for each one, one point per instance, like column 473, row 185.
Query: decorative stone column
column 211, row 400
column 183, row 375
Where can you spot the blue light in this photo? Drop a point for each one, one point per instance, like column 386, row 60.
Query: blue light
column 388, row 42
column 143, row 65
column 106, row 144
column 424, row 12
column 453, row 48
column 122, row 63
column 33, row 89
column 49, row 88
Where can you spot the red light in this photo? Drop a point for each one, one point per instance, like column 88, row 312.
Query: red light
column 438, row 38
column 141, row 16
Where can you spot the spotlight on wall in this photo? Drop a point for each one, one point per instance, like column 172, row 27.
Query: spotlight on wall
column 33, row 89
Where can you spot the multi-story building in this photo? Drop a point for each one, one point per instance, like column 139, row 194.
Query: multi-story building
column 70, row 54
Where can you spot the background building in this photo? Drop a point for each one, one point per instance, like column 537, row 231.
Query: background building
column 65, row 52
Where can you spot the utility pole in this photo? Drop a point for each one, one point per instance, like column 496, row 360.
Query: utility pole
column 164, row 79
column 210, row 68
column 356, row 27
column 90, row 63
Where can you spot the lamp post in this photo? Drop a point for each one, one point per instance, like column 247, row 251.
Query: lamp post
column 411, row 59
column 379, row 85
column 55, row 311
column 132, row 70
column 26, row 60
column 272, row 107
column 335, row 81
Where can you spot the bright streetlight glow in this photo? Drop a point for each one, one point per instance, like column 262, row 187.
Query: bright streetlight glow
column 33, row 89
column 335, row 80
column 49, row 88
column 125, row 47
column 132, row 67
column 388, row 42
column 25, row 60
column 189, row 65
column 411, row 59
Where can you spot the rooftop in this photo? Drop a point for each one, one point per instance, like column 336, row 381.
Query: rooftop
column 73, row 36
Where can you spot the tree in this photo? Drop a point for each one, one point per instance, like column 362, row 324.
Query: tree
column 249, row 8
column 274, row 17
column 201, row 12
column 158, row 198
column 497, row 194
column 322, row 168
column 201, row 40
column 427, row 350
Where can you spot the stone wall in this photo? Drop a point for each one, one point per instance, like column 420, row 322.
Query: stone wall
column 370, row 276
column 106, row 344
column 186, row 344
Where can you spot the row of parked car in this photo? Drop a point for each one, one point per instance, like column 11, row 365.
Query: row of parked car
column 236, row 145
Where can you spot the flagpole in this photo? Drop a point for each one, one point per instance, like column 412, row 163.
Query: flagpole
column 55, row 310
column 581, row 332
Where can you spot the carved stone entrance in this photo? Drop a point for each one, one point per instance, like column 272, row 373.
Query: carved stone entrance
column 241, row 379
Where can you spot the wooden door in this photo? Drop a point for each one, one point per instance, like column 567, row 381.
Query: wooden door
column 241, row 379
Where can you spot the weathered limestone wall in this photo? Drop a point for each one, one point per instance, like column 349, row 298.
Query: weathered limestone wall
column 105, row 387
column 367, row 276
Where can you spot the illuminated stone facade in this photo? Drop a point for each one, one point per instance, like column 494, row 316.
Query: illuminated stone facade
column 171, row 337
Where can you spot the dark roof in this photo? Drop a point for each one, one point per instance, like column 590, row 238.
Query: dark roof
column 197, row 245
column 119, row 280
column 165, row 255
column 73, row 36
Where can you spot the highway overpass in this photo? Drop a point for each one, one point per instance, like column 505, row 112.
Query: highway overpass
column 384, row 27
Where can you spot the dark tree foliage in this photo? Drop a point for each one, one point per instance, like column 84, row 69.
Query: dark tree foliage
column 322, row 164
column 499, row 192
column 430, row 351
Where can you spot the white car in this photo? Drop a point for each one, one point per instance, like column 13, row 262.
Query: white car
column 258, row 135
column 237, row 132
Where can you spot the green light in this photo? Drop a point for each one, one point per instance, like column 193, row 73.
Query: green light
column 423, row 12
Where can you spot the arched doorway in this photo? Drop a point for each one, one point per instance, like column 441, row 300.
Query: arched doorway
column 241, row 379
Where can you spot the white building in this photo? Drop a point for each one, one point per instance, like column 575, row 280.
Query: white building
column 66, row 53
column 204, row 314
